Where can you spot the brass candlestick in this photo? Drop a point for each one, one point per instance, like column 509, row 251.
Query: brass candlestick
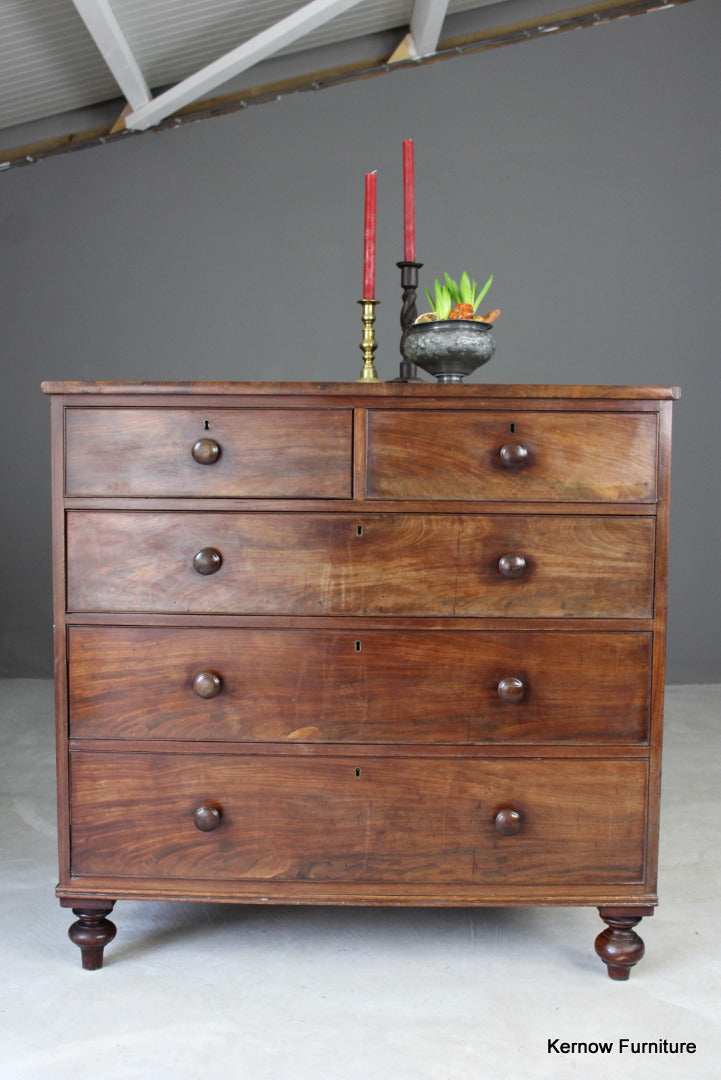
column 368, row 343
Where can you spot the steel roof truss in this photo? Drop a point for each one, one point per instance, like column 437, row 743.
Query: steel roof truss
column 251, row 52
column 105, row 31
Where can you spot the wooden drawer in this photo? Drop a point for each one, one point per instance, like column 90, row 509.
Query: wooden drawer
column 273, row 453
column 570, row 457
column 363, row 686
column 382, row 564
column 357, row 819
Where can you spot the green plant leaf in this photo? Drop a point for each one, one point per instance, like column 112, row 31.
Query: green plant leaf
column 483, row 292
column 453, row 293
column 452, row 289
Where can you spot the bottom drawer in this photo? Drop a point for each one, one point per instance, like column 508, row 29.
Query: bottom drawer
column 365, row 819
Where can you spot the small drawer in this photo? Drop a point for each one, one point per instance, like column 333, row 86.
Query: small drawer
column 373, row 564
column 526, row 456
column 243, row 453
column 363, row 686
column 365, row 819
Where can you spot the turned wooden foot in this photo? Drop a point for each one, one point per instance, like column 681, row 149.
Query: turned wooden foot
column 92, row 931
column 620, row 947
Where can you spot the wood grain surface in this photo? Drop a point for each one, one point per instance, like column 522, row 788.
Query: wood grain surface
column 277, row 453
column 341, row 819
column 570, row 457
column 397, row 564
column 358, row 686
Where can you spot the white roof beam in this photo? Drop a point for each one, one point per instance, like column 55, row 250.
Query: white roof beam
column 117, row 54
column 251, row 52
column 426, row 24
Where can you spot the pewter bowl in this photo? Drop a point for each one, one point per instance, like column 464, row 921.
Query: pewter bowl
column 449, row 348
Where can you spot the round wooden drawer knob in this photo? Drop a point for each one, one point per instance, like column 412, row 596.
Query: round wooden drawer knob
column 511, row 690
column 508, row 822
column 207, row 684
column 512, row 566
column 206, row 818
column 513, row 455
column 205, row 451
column 207, row 561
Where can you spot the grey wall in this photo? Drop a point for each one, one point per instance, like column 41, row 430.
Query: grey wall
column 582, row 169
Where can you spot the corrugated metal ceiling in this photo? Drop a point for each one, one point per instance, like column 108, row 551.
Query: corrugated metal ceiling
column 49, row 63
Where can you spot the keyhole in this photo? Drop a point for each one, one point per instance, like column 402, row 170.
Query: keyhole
column 512, row 429
column 358, row 646
column 357, row 772
column 206, row 425
column 359, row 530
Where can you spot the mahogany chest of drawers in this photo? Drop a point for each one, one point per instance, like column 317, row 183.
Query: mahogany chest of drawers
column 393, row 644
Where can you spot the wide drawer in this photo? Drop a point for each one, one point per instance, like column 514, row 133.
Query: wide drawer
column 528, row 456
column 374, row 564
column 361, row 820
column 245, row 452
column 363, row 686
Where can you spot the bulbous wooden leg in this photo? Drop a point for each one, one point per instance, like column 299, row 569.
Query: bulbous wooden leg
column 620, row 947
column 92, row 931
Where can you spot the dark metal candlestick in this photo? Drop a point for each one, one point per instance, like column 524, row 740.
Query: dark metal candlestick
column 409, row 314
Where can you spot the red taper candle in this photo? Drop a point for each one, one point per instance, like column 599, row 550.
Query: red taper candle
column 369, row 238
column 409, row 203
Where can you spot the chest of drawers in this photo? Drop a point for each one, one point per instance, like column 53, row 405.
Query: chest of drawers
column 395, row 644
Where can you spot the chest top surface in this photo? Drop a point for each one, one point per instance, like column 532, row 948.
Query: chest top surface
column 474, row 392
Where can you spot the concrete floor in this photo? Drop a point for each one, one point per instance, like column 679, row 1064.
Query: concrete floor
column 193, row 991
